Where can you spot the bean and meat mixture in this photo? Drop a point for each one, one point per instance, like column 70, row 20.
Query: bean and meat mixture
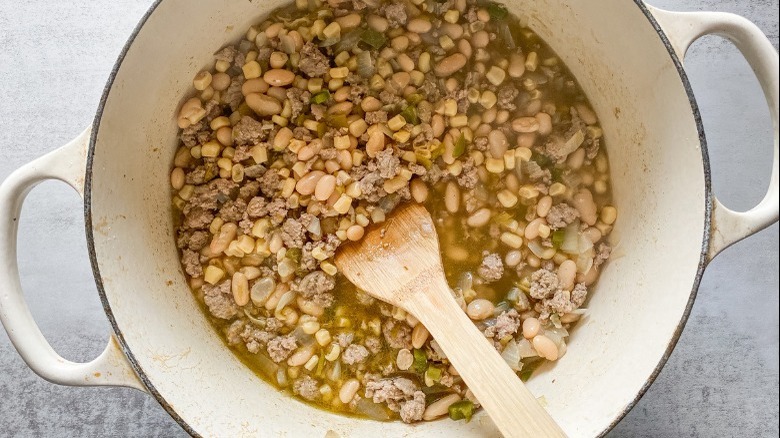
column 327, row 116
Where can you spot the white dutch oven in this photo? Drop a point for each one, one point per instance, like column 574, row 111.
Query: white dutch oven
column 626, row 55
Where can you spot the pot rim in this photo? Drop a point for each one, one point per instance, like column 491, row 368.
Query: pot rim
column 183, row 423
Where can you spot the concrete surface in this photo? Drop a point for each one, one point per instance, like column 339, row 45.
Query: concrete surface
column 722, row 379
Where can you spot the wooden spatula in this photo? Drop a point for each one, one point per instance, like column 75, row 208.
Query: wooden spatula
column 399, row 263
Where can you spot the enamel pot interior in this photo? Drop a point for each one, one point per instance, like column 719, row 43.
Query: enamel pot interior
column 634, row 315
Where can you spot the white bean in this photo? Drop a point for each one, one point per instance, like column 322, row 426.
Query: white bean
column 531, row 328
column 452, row 197
column 440, row 407
column 479, row 218
column 348, row 390
column 567, row 271
column 583, row 202
column 545, row 347
column 480, row 309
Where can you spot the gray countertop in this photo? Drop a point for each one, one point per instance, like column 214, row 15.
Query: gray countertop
column 722, row 379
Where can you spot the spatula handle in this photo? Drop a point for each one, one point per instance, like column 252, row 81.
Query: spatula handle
column 511, row 406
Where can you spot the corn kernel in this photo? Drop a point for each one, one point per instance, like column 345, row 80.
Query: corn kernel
column 341, row 142
column 259, row 153
column 488, row 99
column 496, row 75
column 510, row 161
column 353, row 190
column 446, row 42
column 494, row 165
column 211, row 149
column 524, row 154
column 396, row 122
column 323, row 337
column 343, row 204
column 402, row 136
column 528, row 192
column 557, row 189
column 507, row 198
column 252, row 70
column 329, row 268
column 221, row 66
column 333, row 30
column 339, row 72
column 212, row 274
column 452, row 16
column 315, row 85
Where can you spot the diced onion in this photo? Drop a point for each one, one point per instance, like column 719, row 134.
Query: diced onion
column 511, row 355
column 571, row 239
column 286, row 299
column 585, row 262
column 526, row 349
column 536, row 248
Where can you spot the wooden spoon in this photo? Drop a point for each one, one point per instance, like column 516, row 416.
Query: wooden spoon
column 399, row 263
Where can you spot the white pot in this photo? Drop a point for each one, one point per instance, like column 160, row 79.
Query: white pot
column 626, row 55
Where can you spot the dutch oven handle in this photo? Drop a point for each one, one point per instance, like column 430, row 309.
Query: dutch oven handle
column 111, row 368
column 684, row 28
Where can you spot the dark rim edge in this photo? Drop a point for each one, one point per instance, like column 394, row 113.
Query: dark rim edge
column 187, row 428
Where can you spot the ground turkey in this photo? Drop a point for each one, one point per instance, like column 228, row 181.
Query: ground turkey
column 315, row 287
column 293, row 233
column 191, row 262
column 396, row 14
column 400, row 394
column 374, row 117
column 412, row 410
column 492, row 268
column 387, row 164
column 219, row 300
column 307, row 388
column 397, row 334
column 469, row 176
column 280, row 348
column 562, row 302
column 354, row 354
column 561, row 215
column 277, row 210
column 198, row 240
column 544, row 284
column 197, row 218
column 232, row 211
column 313, row 62
column 255, row 338
column 602, row 254
column 373, row 344
column 506, row 97
column 299, row 100
column 506, row 324
column 233, row 95
column 248, row 131
column 195, row 134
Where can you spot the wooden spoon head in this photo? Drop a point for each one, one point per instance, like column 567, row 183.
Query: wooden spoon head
column 395, row 259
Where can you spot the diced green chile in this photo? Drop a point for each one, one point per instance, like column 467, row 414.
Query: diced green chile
column 459, row 147
column 373, row 38
column 420, row 363
column 321, row 97
column 558, row 236
column 497, row 11
column 410, row 115
column 462, row 410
